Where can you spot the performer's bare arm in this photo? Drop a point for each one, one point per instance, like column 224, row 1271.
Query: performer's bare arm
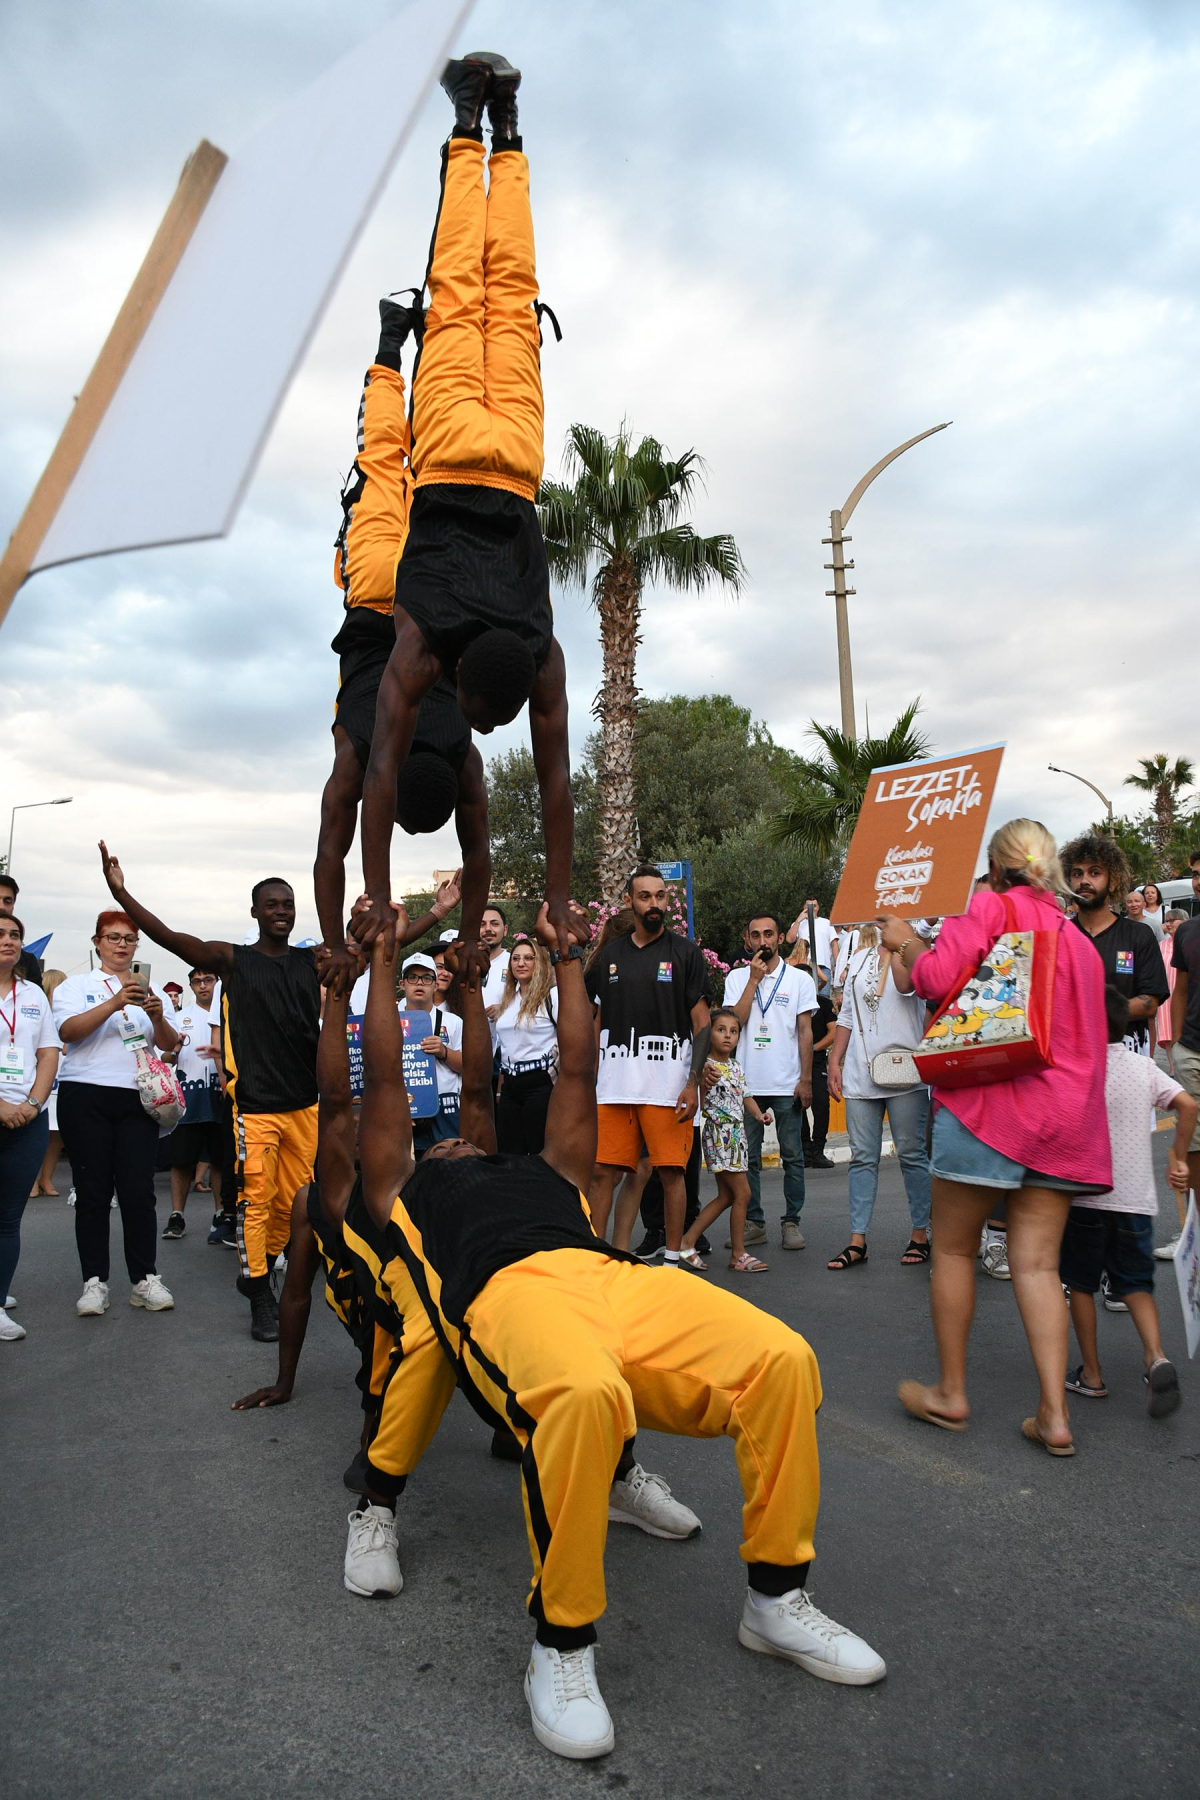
column 335, row 1109
column 570, row 1145
column 385, row 1150
column 295, row 1304
column 214, row 958
column 552, row 759
column 339, row 815
column 411, row 671
column 471, row 822
column 477, row 1115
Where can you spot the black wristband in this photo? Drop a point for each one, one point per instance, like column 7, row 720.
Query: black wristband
column 573, row 953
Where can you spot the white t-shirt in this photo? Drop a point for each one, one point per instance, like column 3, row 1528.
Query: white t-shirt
column 101, row 1058
column 194, row 1024
column 824, row 932
column 1131, row 1084
column 767, row 1049
column 530, row 1044
column 448, row 1082
column 1153, row 917
column 493, row 987
column 26, row 1026
column 899, row 1019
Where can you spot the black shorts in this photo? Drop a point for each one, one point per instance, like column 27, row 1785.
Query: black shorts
column 364, row 645
column 1096, row 1240
column 474, row 561
column 192, row 1144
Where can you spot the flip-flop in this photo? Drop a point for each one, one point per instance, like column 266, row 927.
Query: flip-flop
column 1077, row 1385
column 1162, row 1388
column 910, row 1392
column 745, row 1264
column 1029, row 1429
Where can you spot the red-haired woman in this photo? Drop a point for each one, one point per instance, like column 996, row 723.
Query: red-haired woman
column 104, row 1016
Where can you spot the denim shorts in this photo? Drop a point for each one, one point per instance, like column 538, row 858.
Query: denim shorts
column 1095, row 1240
column 958, row 1155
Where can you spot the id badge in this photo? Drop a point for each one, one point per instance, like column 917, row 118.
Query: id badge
column 132, row 1035
column 12, row 1063
column 762, row 1038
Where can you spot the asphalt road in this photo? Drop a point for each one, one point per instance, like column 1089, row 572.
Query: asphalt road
column 174, row 1621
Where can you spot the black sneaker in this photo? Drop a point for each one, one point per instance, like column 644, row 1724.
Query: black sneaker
column 703, row 1245
column 264, row 1318
column 176, row 1226
column 468, row 82
column 224, row 1230
column 650, row 1246
column 819, row 1162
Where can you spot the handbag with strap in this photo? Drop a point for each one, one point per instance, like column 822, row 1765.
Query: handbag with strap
column 893, row 1066
column 159, row 1090
column 999, row 1021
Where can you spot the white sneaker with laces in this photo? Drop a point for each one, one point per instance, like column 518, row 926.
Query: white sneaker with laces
column 566, row 1707
column 1164, row 1253
column 994, row 1255
column 152, row 1293
column 647, row 1502
column 372, row 1563
column 11, row 1301
column 94, row 1299
column 792, row 1627
column 10, row 1331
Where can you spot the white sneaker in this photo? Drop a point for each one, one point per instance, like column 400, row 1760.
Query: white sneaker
column 566, row 1707
column 792, row 1627
column 10, row 1331
column 71, row 1198
column 1164, row 1253
column 646, row 1501
column 94, row 1299
column 151, row 1293
column 1111, row 1303
column 372, row 1563
column 994, row 1255
column 10, row 1302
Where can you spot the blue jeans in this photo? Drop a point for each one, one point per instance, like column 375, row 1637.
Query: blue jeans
column 791, row 1151
column 907, row 1114
column 21, row 1153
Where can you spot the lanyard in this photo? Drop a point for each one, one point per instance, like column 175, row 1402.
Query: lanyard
column 764, row 1010
column 11, row 1023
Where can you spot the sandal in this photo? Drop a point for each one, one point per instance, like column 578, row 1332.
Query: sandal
column 693, row 1260
column 1031, row 1430
column 849, row 1258
column 745, row 1264
column 914, row 1254
column 912, row 1398
column 1078, row 1385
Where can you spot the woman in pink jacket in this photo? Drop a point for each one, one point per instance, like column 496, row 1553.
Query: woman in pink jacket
column 1034, row 1141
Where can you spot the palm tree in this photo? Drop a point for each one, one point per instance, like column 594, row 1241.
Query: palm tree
column 1166, row 781
column 618, row 516
column 831, row 788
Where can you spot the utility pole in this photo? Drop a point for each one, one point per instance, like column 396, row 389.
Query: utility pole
column 1055, row 770
column 839, row 518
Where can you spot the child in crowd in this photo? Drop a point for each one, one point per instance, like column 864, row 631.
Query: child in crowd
column 725, row 1150
column 1113, row 1231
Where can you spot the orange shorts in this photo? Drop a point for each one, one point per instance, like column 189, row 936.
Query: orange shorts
column 624, row 1129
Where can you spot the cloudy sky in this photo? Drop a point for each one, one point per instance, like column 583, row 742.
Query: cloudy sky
column 790, row 235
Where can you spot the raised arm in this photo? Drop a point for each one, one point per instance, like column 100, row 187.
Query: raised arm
column 552, row 760
column 471, row 823
column 295, row 1304
column 339, row 815
column 476, row 1111
column 335, row 1107
column 385, row 1149
column 570, row 1144
column 216, row 958
column 410, row 673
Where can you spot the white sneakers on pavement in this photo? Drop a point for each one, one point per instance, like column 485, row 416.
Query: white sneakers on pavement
column 993, row 1255
column 793, row 1237
column 1165, row 1252
column 94, row 1299
column 372, row 1563
column 152, row 1293
column 647, row 1502
column 792, row 1627
column 10, row 1331
column 565, row 1704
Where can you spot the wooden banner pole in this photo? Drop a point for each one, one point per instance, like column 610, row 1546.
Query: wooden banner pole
column 200, row 175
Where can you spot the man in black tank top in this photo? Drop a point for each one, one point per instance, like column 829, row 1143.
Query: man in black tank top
column 270, row 1015
column 574, row 1345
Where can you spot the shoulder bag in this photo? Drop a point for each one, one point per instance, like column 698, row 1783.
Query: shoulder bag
column 999, row 1022
column 891, row 1067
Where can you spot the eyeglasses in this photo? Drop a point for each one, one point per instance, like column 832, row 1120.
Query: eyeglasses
column 108, row 938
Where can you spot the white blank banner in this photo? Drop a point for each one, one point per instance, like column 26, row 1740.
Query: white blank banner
column 174, row 453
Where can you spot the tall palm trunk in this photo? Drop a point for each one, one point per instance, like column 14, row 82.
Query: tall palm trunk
column 619, row 603
column 1164, row 823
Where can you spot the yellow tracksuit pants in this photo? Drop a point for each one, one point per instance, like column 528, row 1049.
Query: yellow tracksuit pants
column 275, row 1154
column 376, row 522
column 477, row 387
column 578, row 1352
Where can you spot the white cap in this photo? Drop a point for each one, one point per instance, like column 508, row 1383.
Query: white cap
column 448, row 937
column 419, row 961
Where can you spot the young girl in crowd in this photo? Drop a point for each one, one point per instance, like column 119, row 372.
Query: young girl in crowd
column 725, row 1152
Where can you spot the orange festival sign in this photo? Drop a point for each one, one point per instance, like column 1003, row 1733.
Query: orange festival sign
column 915, row 849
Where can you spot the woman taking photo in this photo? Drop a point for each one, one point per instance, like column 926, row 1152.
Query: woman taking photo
column 28, row 1060
column 875, row 1015
column 104, row 1017
column 1035, row 1140
column 525, row 1035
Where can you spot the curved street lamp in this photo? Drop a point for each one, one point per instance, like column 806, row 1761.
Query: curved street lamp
column 1055, row 770
column 28, row 806
column 838, row 519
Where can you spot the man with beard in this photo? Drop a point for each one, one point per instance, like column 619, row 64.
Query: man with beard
column 651, row 991
column 492, row 928
column 1099, row 876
